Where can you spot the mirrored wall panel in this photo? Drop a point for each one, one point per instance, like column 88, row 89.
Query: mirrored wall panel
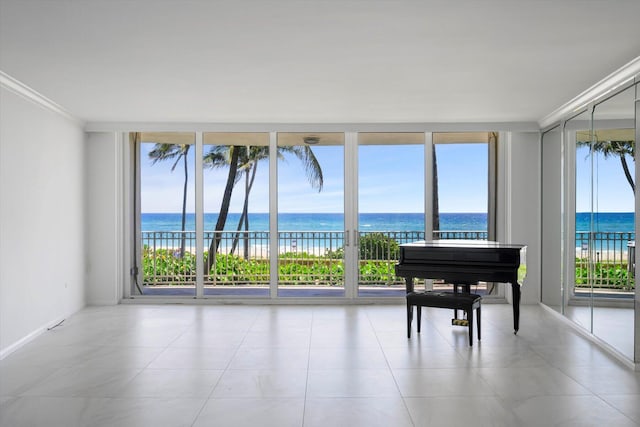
column 597, row 220
column 612, row 283
column 551, row 255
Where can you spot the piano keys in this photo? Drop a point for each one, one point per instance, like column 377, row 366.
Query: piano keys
column 465, row 262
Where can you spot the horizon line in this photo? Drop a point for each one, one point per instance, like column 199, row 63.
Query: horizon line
column 315, row 213
column 342, row 213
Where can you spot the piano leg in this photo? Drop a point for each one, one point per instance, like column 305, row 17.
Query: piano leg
column 409, row 284
column 515, row 287
column 466, row 287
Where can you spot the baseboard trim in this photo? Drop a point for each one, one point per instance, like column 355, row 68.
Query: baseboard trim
column 594, row 339
column 29, row 337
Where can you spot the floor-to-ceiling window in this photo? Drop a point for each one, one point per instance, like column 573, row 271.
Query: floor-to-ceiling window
column 236, row 214
column 301, row 214
column 311, row 215
column 166, row 225
column 390, row 206
column 462, row 206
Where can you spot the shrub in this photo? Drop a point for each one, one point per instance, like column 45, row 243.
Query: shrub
column 377, row 246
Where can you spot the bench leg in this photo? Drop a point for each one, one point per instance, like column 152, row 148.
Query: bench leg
column 419, row 317
column 478, row 321
column 409, row 316
column 470, row 318
column 466, row 288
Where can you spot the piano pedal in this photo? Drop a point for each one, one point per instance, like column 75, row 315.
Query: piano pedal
column 459, row 322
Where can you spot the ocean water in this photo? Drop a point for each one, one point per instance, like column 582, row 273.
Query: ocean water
column 605, row 222
column 320, row 221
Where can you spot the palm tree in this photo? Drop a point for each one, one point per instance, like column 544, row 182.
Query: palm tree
column 249, row 166
column 620, row 149
column 177, row 152
column 218, row 156
column 246, row 162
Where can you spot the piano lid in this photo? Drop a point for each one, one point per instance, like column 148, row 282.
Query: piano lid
column 460, row 243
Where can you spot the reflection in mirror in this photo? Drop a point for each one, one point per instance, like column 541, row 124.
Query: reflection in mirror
column 578, row 225
column 551, row 286
column 612, row 284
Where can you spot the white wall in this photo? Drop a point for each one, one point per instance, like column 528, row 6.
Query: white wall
column 525, row 206
column 104, row 228
column 42, row 218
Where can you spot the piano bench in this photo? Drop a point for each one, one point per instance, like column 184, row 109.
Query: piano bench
column 455, row 301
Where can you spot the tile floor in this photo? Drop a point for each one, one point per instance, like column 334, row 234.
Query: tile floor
column 146, row 365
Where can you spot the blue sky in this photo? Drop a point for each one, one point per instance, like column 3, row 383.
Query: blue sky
column 612, row 191
column 390, row 180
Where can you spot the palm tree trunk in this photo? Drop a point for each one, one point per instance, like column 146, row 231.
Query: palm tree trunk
column 184, row 201
column 234, row 245
column 244, row 217
column 236, row 238
column 224, row 208
column 434, row 193
column 625, row 167
column 246, row 210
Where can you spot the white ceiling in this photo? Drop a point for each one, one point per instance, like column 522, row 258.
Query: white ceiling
column 317, row 61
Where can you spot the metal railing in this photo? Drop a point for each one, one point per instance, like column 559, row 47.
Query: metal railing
column 603, row 261
column 313, row 258
column 379, row 252
column 162, row 260
column 242, row 258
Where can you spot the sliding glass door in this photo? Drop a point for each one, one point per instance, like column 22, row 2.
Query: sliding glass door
column 166, row 222
column 236, row 214
column 300, row 214
column 461, row 191
column 390, row 207
column 311, row 215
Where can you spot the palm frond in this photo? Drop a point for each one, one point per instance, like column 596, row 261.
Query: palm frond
column 310, row 162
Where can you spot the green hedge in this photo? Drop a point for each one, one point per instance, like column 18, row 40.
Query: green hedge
column 304, row 268
column 293, row 268
column 606, row 275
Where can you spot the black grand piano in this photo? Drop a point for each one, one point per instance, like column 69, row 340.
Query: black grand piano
column 464, row 262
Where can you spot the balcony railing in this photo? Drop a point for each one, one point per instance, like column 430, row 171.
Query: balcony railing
column 611, row 267
column 304, row 257
column 315, row 258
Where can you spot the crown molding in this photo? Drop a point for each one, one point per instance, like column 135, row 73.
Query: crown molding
column 604, row 87
column 19, row 88
column 309, row 127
